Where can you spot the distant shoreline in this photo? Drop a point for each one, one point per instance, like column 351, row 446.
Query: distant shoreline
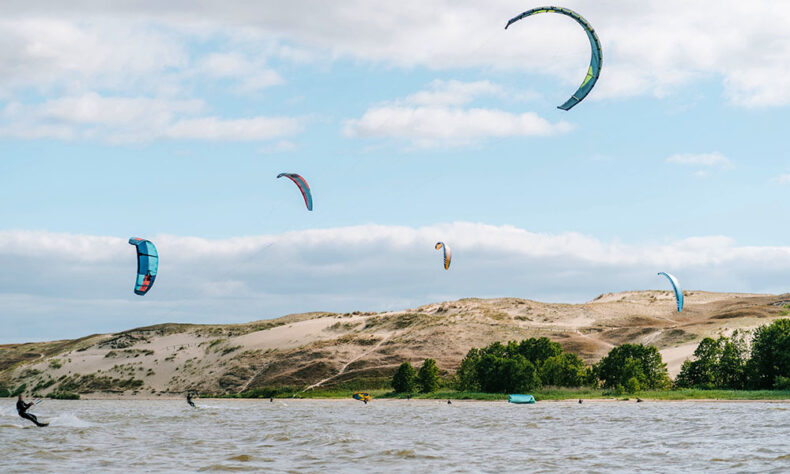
column 434, row 400
column 587, row 395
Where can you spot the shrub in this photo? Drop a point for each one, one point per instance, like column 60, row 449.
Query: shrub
column 632, row 385
column 428, row 376
column 782, row 383
column 63, row 396
column 405, row 379
column 770, row 354
column 633, row 360
column 564, row 370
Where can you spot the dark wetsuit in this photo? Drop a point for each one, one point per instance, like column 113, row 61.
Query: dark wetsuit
column 189, row 400
column 22, row 408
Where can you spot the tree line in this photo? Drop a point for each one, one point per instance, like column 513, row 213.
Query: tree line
column 759, row 362
column 742, row 361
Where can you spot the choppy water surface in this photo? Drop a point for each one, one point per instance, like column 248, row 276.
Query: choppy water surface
column 387, row 436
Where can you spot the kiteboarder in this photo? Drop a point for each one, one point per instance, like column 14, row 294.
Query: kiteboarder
column 22, row 408
column 189, row 400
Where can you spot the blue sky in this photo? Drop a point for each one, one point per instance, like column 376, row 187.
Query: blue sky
column 414, row 122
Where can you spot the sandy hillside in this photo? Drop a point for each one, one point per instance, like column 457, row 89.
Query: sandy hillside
column 323, row 349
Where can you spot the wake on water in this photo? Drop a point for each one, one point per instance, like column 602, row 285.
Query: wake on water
column 68, row 420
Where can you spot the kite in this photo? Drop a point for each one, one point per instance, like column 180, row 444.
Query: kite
column 676, row 287
column 303, row 187
column 448, row 254
column 362, row 397
column 147, row 264
column 595, row 60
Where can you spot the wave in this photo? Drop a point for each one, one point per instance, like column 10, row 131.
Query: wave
column 69, row 420
column 11, row 425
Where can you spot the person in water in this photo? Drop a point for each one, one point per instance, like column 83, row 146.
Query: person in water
column 22, row 408
column 189, row 400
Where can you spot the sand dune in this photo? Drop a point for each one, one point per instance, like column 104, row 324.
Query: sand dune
column 323, row 349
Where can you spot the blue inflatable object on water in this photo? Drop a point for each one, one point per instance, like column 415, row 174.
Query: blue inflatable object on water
column 520, row 399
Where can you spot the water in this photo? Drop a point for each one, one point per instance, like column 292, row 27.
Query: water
column 396, row 436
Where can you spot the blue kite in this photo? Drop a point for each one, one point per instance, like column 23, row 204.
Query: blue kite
column 676, row 287
column 147, row 264
column 595, row 61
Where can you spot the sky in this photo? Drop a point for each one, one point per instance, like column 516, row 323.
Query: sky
column 413, row 122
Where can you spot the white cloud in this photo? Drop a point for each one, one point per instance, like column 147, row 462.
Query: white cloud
column 436, row 116
column 704, row 160
column 135, row 119
column 250, row 75
column 782, row 179
column 426, row 126
column 214, row 128
column 45, row 53
column 70, row 285
column 653, row 47
column 453, row 93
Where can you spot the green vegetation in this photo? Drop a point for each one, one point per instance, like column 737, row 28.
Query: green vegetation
column 727, row 363
column 19, row 390
column 428, row 376
column 93, row 382
column 128, row 353
column 632, row 367
column 542, row 394
column 405, row 379
column 718, row 363
column 520, row 367
column 42, row 385
column 63, row 395
column 770, row 355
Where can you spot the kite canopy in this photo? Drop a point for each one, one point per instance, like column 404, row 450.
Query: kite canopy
column 595, row 60
column 147, row 264
column 362, row 397
column 448, row 254
column 676, row 287
column 303, row 187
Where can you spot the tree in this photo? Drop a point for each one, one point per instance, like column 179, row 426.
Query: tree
column 539, row 350
column 405, row 379
column 703, row 371
column 521, row 366
column 428, row 377
column 770, row 354
column 732, row 363
column 467, row 373
column 717, row 363
column 633, row 360
column 564, row 370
